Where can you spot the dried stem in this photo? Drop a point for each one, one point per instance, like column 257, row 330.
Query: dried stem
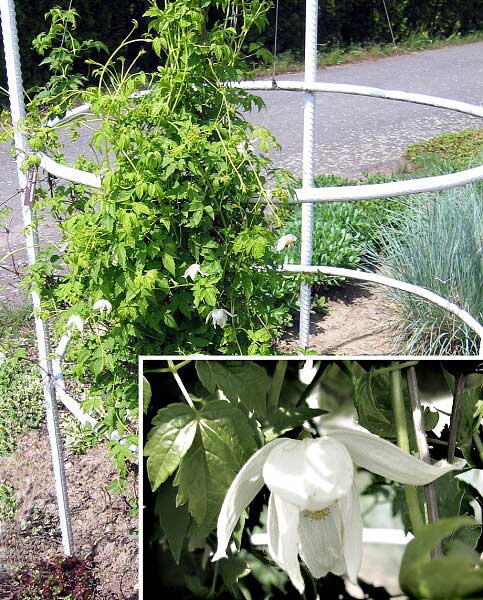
column 455, row 415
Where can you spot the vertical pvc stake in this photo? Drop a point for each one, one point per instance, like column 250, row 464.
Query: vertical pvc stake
column 311, row 21
column 27, row 185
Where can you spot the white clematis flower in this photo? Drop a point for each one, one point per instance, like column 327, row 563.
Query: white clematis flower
column 103, row 306
column 219, row 317
column 285, row 241
column 75, row 322
column 314, row 510
column 193, row 271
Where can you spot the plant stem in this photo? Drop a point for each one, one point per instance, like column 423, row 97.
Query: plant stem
column 276, row 387
column 478, row 444
column 181, row 386
column 396, row 367
column 410, row 491
column 455, row 415
column 422, row 443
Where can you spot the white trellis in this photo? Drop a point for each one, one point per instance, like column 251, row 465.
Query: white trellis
column 307, row 195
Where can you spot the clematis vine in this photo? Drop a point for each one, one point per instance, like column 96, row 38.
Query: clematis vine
column 313, row 510
column 219, row 317
column 285, row 241
column 103, row 306
column 193, row 271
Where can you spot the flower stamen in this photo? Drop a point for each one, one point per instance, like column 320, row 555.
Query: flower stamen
column 317, row 515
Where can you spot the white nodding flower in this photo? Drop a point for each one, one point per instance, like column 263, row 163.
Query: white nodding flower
column 219, row 317
column 3, row 358
column 313, row 509
column 285, row 241
column 103, row 306
column 75, row 322
column 193, row 271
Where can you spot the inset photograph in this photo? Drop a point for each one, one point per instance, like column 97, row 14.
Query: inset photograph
column 68, row 486
column 308, row 478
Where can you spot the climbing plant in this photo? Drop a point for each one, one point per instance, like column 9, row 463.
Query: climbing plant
column 166, row 255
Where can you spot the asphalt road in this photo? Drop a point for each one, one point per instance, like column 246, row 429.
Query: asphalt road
column 354, row 134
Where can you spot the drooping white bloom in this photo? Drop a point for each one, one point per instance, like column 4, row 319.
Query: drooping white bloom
column 3, row 358
column 285, row 241
column 313, row 510
column 103, row 306
column 193, row 271
column 75, row 322
column 219, row 317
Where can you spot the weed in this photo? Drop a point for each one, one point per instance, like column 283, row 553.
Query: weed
column 8, row 502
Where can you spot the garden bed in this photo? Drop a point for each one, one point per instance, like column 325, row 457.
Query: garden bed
column 104, row 528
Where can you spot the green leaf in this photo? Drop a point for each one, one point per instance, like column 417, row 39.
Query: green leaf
column 173, row 432
column 470, row 418
column 242, row 381
column 224, row 441
column 168, row 262
column 231, row 570
column 174, row 520
column 147, row 394
column 372, row 399
column 452, row 577
column 286, row 418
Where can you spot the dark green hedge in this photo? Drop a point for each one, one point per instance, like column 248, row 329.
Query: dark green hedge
column 360, row 21
column 106, row 20
column 340, row 22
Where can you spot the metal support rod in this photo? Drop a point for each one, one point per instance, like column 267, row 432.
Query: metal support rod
column 27, row 185
column 311, row 22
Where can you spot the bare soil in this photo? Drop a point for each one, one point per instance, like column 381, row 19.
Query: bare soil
column 105, row 533
column 360, row 320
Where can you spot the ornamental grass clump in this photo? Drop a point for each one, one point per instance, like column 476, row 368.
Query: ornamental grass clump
column 436, row 243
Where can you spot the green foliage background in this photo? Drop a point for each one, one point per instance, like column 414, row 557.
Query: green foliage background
column 341, row 22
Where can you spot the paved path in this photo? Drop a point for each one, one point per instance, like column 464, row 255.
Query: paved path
column 354, row 134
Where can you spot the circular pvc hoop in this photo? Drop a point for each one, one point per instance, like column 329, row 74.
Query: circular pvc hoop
column 325, row 194
column 470, row 321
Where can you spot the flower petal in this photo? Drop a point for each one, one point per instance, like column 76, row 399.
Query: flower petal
column 350, row 510
column 380, row 456
column 284, row 539
column 321, row 543
column 241, row 492
column 310, row 474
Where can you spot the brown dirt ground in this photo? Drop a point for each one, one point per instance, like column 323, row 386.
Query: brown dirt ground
column 360, row 320
column 104, row 531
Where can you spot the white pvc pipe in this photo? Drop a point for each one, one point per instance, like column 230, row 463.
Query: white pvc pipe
column 362, row 90
column 351, row 193
column 399, row 285
column 327, row 194
column 72, row 405
column 70, row 173
column 310, row 75
column 17, row 108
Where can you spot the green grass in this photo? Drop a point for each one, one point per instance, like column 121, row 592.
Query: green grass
column 448, row 152
column 21, row 399
column 436, row 244
column 290, row 61
column 8, row 502
column 435, row 241
column 21, row 394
